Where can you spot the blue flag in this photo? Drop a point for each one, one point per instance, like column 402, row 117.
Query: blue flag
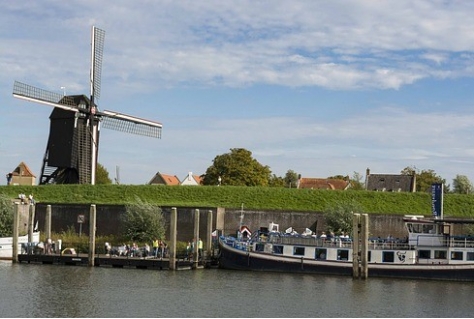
column 437, row 200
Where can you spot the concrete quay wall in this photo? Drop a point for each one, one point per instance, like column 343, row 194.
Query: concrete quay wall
column 65, row 216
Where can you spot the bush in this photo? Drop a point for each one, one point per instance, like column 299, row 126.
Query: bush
column 6, row 216
column 143, row 222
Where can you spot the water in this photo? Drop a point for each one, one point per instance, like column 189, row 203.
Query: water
column 72, row 291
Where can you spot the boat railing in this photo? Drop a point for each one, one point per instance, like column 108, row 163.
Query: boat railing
column 442, row 241
column 235, row 243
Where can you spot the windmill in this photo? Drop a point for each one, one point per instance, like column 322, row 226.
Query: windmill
column 73, row 143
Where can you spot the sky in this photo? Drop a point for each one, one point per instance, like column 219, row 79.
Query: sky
column 322, row 88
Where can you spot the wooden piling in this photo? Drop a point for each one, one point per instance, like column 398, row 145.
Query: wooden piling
column 31, row 222
column 16, row 223
column 92, row 226
column 364, row 247
column 173, row 233
column 355, row 245
column 47, row 224
column 209, row 234
column 196, row 239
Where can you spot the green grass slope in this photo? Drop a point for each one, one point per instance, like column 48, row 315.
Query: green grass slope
column 253, row 198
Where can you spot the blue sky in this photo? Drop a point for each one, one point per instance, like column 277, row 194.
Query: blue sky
column 320, row 87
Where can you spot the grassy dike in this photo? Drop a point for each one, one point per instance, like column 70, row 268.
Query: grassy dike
column 253, row 198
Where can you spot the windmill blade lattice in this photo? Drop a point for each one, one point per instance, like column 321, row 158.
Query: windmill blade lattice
column 130, row 124
column 34, row 94
column 98, row 36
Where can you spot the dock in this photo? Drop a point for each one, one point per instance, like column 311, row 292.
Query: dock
column 113, row 261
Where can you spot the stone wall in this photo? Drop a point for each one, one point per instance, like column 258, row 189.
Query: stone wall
column 64, row 217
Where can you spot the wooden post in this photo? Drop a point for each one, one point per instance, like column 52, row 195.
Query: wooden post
column 47, row 226
column 196, row 239
column 209, row 235
column 173, row 233
column 220, row 219
column 355, row 245
column 31, row 222
column 92, row 225
column 364, row 247
column 16, row 223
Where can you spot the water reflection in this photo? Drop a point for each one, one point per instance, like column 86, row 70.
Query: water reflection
column 69, row 291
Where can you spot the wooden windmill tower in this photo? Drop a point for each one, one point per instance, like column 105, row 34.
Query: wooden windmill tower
column 73, row 143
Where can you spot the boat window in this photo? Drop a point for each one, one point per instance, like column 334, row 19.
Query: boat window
column 440, row 254
column 469, row 255
column 388, row 256
column 424, row 254
column 259, row 247
column 456, row 255
column 369, row 256
column 410, row 228
column 277, row 249
column 321, row 253
column 342, row 254
column 298, row 251
column 428, row 229
column 417, row 228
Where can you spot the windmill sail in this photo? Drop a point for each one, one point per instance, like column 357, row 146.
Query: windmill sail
column 130, row 124
column 34, row 94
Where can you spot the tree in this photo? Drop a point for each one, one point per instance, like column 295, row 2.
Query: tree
column 291, row 179
column 462, row 185
column 425, row 178
column 237, row 168
column 6, row 216
column 143, row 222
column 102, row 175
column 356, row 182
column 276, row 181
column 339, row 217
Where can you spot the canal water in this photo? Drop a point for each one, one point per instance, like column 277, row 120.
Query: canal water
column 74, row 291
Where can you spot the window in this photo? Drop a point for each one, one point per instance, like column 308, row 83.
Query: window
column 369, row 256
column 440, row 254
column 259, row 247
column 321, row 253
column 456, row 255
column 342, row 254
column 277, row 249
column 388, row 256
column 469, row 255
column 298, row 251
column 424, row 254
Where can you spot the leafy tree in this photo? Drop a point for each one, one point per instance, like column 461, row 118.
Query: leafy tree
column 339, row 216
column 102, row 175
column 425, row 178
column 237, row 168
column 356, row 182
column 462, row 185
column 6, row 216
column 291, row 179
column 276, row 181
column 143, row 222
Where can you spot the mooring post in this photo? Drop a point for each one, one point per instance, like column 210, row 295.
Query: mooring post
column 364, row 249
column 173, row 232
column 355, row 245
column 47, row 226
column 31, row 222
column 16, row 223
column 209, row 235
column 196, row 239
column 92, row 224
